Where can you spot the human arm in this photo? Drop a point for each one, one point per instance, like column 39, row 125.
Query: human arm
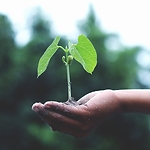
column 135, row 100
column 92, row 110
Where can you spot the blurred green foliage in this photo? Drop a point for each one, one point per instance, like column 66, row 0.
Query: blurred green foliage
column 22, row 129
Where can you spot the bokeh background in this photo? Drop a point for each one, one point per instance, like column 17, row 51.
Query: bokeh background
column 119, row 67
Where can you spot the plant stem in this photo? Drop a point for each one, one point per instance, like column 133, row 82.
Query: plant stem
column 68, row 81
column 68, row 78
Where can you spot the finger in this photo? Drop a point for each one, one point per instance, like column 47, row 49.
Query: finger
column 50, row 116
column 61, row 123
column 86, row 98
column 36, row 106
column 70, row 111
column 66, row 125
column 39, row 109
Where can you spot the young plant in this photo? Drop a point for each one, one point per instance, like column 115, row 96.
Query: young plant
column 83, row 52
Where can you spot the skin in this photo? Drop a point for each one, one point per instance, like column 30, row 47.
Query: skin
column 91, row 110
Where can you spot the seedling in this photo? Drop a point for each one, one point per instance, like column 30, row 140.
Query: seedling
column 83, row 52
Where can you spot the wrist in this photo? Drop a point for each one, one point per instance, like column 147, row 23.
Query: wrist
column 117, row 102
column 120, row 101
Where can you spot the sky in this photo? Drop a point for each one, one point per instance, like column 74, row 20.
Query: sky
column 127, row 18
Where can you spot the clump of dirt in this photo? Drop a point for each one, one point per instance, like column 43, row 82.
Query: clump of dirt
column 72, row 101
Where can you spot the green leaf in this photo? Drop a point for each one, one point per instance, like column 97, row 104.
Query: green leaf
column 85, row 53
column 45, row 58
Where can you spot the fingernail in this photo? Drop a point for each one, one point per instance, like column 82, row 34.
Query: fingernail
column 35, row 108
column 46, row 105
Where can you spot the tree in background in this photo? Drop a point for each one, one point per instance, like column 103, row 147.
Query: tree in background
column 116, row 70
column 22, row 129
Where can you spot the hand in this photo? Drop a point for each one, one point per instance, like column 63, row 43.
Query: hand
column 79, row 120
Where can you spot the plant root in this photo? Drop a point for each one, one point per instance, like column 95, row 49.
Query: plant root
column 71, row 101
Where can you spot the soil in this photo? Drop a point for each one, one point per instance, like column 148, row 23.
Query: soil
column 71, row 101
